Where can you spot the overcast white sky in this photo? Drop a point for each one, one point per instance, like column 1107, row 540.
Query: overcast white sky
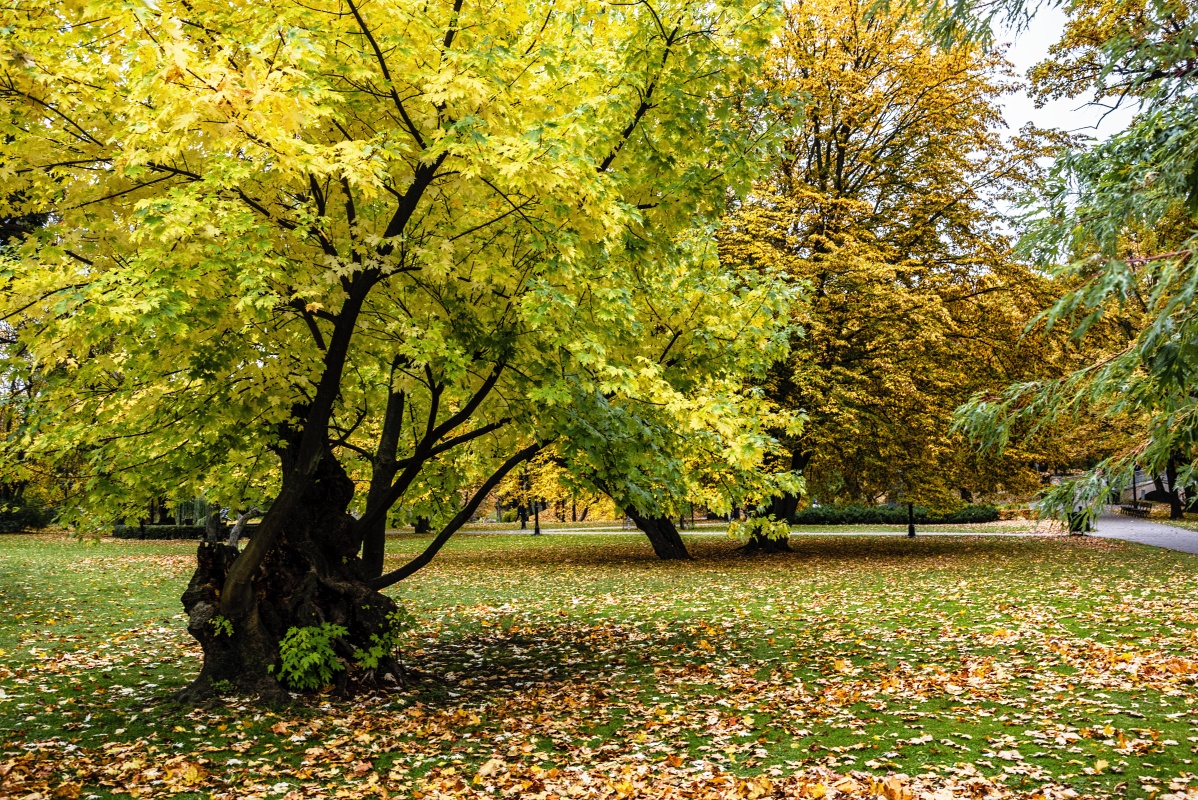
column 1031, row 46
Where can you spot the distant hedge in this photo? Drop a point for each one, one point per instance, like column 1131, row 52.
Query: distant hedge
column 890, row 515
column 22, row 516
column 158, row 531
column 171, row 532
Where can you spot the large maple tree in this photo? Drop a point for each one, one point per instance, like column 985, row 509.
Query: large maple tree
column 295, row 251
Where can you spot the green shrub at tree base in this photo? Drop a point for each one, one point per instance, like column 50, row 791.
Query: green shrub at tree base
column 891, row 515
column 307, row 659
column 21, row 515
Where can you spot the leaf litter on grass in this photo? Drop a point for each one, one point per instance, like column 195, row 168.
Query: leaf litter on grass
column 579, row 667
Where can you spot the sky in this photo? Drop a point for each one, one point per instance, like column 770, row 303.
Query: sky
column 1031, row 46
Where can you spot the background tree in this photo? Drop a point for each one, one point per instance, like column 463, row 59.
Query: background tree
column 27, row 488
column 882, row 205
column 1115, row 223
column 307, row 247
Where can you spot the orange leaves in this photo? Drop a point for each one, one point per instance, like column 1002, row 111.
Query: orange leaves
column 1121, row 668
column 635, row 783
column 45, row 774
column 850, row 656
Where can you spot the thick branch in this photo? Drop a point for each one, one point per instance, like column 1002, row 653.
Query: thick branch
column 462, row 517
column 425, row 448
column 239, row 526
column 468, row 410
column 449, row 444
column 421, row 180
column 302, row 307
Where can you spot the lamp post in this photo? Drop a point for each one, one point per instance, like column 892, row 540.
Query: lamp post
column 902, row 490
column 523, row 509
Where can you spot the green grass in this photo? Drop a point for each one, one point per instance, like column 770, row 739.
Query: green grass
column 719, row 527
column 1039, row 661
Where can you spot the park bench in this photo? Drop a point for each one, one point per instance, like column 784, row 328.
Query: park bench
column 1134, row 511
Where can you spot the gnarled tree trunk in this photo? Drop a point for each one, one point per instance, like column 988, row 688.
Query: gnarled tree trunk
column 784, row 506
column 664, row 537
column 312, row 575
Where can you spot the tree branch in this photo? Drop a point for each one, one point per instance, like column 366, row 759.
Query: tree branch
column 239, row 526
column 382, row 62
column 471, row 406
column 458, row 521
column 642, row 109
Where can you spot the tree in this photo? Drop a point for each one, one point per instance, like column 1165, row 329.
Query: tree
column 295, row 248
column 25, row 486
column 1115, row 222
column 546, row 480
column 881, row 204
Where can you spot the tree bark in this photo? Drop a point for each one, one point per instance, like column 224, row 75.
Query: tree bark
column 243, row 519
column 213, row 527
column 785, row 507
column 1177, row 508
column 312, row 575
column 382, row 474
column 664, row 537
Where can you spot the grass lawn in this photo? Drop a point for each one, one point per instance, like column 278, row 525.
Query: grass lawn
column 579, row 666
column 718, row 526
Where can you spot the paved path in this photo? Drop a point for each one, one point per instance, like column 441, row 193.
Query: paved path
column 1132, row 529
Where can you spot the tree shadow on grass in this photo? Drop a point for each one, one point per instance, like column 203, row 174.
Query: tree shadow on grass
column 477, row 667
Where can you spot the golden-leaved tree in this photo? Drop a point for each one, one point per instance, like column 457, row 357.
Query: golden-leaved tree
column 292, row 249
column 881, row 205
column 1116, row 223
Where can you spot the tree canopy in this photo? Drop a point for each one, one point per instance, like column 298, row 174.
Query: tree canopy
column 357, row 262
column 292, row 247
column 882, row 203
column 1115, row 222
